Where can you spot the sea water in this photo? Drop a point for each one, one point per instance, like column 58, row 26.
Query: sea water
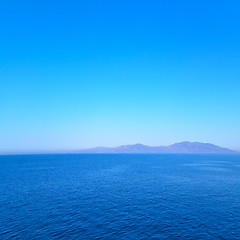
column 120, row 196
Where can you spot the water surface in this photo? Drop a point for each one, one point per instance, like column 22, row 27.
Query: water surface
column 120, row 196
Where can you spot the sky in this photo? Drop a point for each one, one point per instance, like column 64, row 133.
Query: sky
column 79, row 74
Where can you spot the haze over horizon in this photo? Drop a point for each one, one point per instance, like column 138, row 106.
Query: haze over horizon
column 80, row 74
column 180, row 147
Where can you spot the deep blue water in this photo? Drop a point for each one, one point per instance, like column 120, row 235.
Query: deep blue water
column 122, row 196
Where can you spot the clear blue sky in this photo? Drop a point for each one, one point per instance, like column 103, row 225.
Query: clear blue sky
column 77, row 74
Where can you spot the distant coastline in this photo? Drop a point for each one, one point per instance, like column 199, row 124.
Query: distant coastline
column 182, row 147
column 176, row 148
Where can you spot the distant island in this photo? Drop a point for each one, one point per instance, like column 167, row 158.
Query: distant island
column 183, row 147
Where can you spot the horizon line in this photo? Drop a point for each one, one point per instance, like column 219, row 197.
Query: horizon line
column 74, row 151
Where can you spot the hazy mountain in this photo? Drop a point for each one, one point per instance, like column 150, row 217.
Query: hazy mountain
column 183, row 147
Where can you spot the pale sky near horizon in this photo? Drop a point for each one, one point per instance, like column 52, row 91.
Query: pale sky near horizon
column 79, row 74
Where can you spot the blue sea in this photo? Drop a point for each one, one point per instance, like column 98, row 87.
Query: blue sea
column 120, row 196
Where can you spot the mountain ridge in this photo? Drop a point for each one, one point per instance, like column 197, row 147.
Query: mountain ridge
column 182, row 147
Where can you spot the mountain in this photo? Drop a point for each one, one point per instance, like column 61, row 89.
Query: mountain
column 183, row 147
